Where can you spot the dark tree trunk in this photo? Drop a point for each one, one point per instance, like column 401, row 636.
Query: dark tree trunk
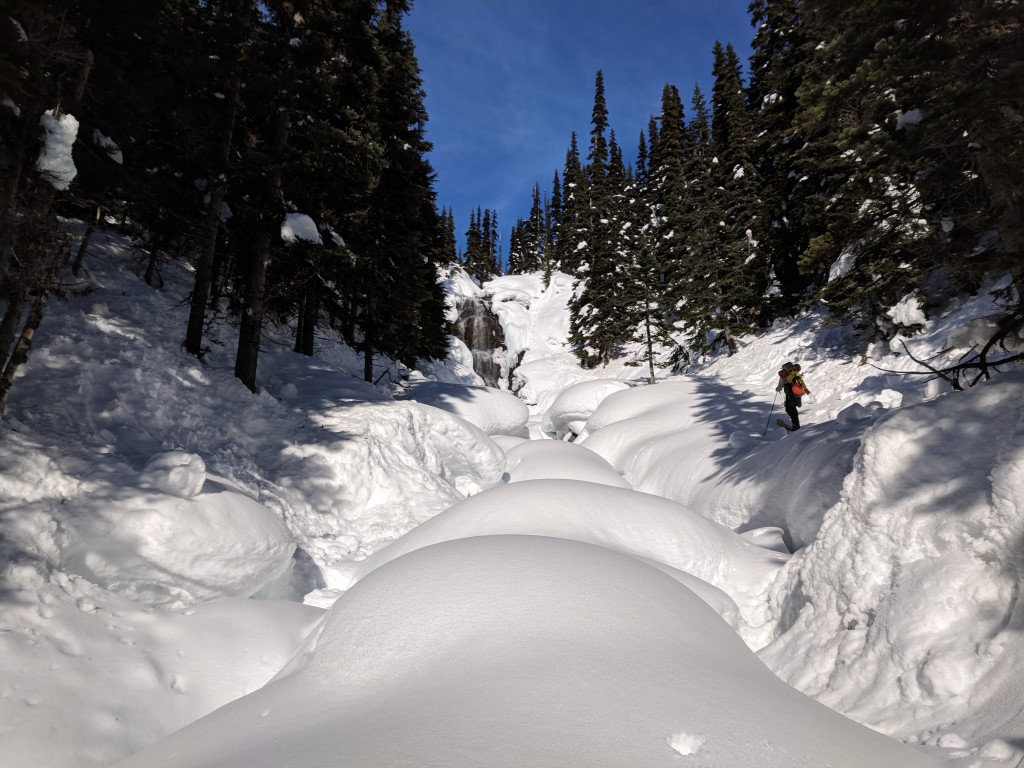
column 152, row 268
column 368, row 341
column 76, row 267
column 207, row 256
column 649, row 342
column 35, row 316
column 309, row 310
column 11, row 322
column 251, row 327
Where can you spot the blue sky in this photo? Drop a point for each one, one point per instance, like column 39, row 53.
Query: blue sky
column 507, row 81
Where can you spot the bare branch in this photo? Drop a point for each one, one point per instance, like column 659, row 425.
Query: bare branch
column 953, row 382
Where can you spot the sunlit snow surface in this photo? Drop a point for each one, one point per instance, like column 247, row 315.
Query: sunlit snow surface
column 493, row 599
column 523, row 650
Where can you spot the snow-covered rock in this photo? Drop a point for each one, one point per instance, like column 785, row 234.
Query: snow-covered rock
column 166, row 551
column 177, row 472
column 569, row 412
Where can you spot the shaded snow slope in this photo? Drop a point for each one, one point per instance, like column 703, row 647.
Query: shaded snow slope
column 739, row 479
column 915, row 575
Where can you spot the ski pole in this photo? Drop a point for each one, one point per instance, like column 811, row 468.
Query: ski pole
column 770, row 413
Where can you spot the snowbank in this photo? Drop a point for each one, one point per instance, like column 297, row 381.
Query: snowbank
column 637, row 524
column 569, row 412
column 524, row 650
column 553, row 459
column 89, row 677
column 904, row 610
column 162, row 550
column 374, row 471
column 494, row 411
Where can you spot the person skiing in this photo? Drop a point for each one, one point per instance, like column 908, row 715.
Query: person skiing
column 792, row 383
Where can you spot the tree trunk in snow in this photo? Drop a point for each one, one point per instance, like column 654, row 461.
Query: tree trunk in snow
column 207, row 255
column 251, row 327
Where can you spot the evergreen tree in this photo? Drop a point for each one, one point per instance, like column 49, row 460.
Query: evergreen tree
column 775, row 77
column 641, row 158
column 494, row 258
column 698, row 286
column 450, row 244
column 644, row 302
column 667, row 193
column 487, row 245
column 517, row 251
column 397, row 240
column 572, row 221
column 551, row 207
column 592, row 325
column 918, row 179
column 533, row 235
column 745, row 270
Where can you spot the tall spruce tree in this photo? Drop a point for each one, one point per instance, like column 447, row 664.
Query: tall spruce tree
column 775, row 77
column 593, row 329
column 572, row 221
column 745, row 272
column 645, row 304
column 699, row 289
column 666, row 190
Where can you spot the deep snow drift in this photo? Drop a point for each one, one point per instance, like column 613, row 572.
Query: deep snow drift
column 493, row 598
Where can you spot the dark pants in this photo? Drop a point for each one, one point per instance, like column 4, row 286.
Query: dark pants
column 792, row 404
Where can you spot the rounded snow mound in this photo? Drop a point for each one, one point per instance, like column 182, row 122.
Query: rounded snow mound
column 553, row 459
column 575, row 404
column 172, row 552
column 176, row 472
column 643, row 526
column 524, row 650
column 494, row 411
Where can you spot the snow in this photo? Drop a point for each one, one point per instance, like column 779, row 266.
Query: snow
column 908, row 312
column 19, row 30
column 842, row 265
column 683, row 582
column 539, row 459
column 920, row 598
column 910, row 117
column 422, row 663
column 163, row 551
column 109, row 145
column 494, row 411
column 569, row 412
column 55, row 161
column 175, row 472
column 299, row 226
